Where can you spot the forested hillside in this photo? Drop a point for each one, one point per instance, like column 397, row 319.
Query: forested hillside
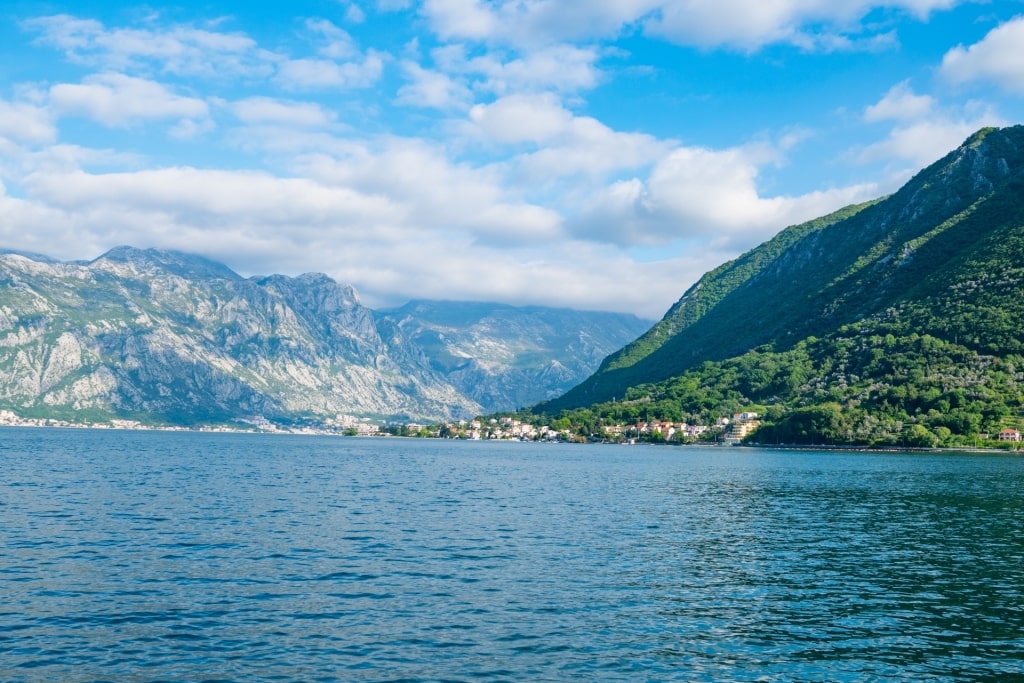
column 895, row 321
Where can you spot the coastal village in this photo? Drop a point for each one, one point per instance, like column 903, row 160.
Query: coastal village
column 725, row 430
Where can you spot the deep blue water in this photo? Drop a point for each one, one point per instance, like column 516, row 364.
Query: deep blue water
column 209, row 557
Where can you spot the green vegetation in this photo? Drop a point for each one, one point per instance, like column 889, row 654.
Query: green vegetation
column 893, row 323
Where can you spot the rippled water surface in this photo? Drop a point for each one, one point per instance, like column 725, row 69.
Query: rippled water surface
column 210, row 557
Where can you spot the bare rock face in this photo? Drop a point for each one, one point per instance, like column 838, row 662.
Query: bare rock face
column 177, row 338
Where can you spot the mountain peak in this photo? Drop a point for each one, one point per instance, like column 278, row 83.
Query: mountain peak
column 175, row 262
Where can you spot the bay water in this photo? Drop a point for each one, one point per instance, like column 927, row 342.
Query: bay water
column 162, row 556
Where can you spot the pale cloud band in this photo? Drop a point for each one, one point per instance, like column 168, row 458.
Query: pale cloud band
column 510, row 191
column 998, row 58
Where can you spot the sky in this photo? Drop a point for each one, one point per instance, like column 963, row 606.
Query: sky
column 593, row 154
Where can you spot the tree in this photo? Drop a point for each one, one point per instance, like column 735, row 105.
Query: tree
column 918, row 436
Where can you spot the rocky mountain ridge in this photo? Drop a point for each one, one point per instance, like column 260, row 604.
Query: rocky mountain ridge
column 171, row 337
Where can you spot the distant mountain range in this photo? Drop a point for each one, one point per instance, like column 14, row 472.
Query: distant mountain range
column 892, row 321
column 164, row 336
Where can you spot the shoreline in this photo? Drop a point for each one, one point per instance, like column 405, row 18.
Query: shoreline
column 311, row 431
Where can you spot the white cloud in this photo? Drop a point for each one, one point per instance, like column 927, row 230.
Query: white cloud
column 431, row 89
column 199, row 199
column 752, row 24
column 187, row 51
column 534, row 23
column 566, row 145
column 435, row 193
column 457, row 76
column 998, row 58
column 294, row 226
column 522, row 118
column 117, row 100
column 267, row 110
column 26, row 122
column 900, row 103
column 401, row 221
column 338, row 44
column 698, row 192
column 180, row 50
column 310, row 74
column 744, row 24
column 562, row 68
column 460, row 19
column 926, row 141
column 739, row 22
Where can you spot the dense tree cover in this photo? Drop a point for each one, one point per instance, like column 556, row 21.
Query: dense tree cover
column 867, row 386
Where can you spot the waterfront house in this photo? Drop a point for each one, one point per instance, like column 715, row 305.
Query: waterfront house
column 1009, row 434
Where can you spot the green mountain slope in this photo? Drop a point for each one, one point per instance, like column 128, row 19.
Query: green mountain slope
column 899, row 322
column 931, row 251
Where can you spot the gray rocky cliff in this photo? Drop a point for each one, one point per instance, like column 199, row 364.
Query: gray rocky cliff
column 171, row 337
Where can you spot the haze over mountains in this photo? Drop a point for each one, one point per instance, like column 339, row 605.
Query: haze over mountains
column 170, row 337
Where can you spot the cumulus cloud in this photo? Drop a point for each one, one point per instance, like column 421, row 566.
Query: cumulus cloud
column 699, row 192
column 26, row 122
column 997, row 58
column 117, row 100
column 925, row 141
column 198, row 199
column 923, row 130
column 403, row 190
column 522, row 118
column 460, row 19
column 562, row 143
column 900, row 103
column 431, row 89
column 435, row 193
column 533, row 23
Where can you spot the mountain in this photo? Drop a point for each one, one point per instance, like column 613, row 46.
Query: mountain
column 165, row 336
column 919, row 292
column 500, row 355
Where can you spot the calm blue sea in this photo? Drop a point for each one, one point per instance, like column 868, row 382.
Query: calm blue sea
column 135, row 556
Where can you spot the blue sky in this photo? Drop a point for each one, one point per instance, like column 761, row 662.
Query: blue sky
column 600, row 154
